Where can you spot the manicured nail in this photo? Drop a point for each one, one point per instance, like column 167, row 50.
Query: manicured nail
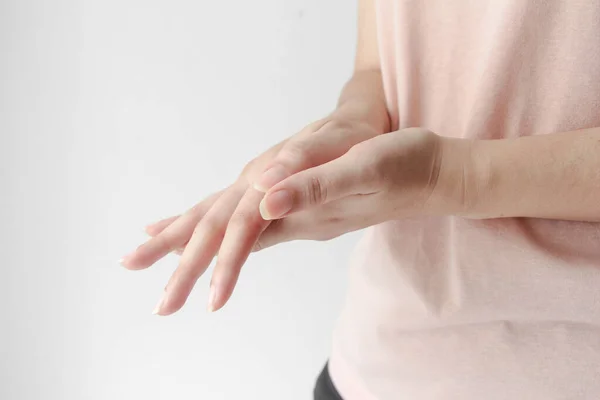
column 270, row 178
column 276, row 205
column 159, row 304
column 212, row 296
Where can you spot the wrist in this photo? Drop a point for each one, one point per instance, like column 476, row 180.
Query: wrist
column 363, row 100
column 362, row 113
column 461, row 178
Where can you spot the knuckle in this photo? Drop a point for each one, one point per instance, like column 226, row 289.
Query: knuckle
column 371, row 168
column 196, row 208
column 243, row 221
column 295, row 152
column 337, row 124
column 249, row 167
column 166, row 241
column 359, row 151
column 313, row 127
column 209, row 224
column 316, row 191
column 239, row 221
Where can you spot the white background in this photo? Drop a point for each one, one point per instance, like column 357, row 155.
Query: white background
column 116, row 113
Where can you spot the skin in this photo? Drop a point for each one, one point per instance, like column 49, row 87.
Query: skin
column 342, row 173
column 414, row 172
column 230, row 222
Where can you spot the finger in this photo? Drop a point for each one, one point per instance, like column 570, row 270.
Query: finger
column 198, row 254
column 157, row 227
column 171, row 238
column 320, row 223
column 294, row 227
column 243, row 231
column 316, row 186
column 330, row 141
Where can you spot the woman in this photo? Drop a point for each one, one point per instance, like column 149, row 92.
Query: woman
column 468, row 140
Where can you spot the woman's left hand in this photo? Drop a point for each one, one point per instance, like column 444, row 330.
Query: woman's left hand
column 401, row 174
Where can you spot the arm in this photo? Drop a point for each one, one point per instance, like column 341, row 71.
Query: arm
column 555, row 176
column 362, row 98
column 229, row 222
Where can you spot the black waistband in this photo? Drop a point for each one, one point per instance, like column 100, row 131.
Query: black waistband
column 324, row 389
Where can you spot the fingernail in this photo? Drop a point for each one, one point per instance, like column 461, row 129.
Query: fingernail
column 160, row 303
column 212, row 296
column 270, row 178
column 123, row 260
column 276, row 205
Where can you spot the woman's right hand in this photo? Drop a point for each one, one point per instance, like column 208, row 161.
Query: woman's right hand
column 229, row 222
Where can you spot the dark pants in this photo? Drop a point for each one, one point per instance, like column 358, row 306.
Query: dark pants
column 324, row 389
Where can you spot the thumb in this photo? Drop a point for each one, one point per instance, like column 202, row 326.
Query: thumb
column 327, row 142
column 313, row 187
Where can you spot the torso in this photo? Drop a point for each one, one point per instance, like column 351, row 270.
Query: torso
column 450, row 308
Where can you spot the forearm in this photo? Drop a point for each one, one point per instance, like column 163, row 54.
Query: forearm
column 555, row 176
column 363, row 99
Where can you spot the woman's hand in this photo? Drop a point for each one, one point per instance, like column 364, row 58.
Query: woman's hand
column 229, row 222
column 400, row 174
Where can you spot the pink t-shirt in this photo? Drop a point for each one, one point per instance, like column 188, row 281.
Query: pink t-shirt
column 452, row 308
